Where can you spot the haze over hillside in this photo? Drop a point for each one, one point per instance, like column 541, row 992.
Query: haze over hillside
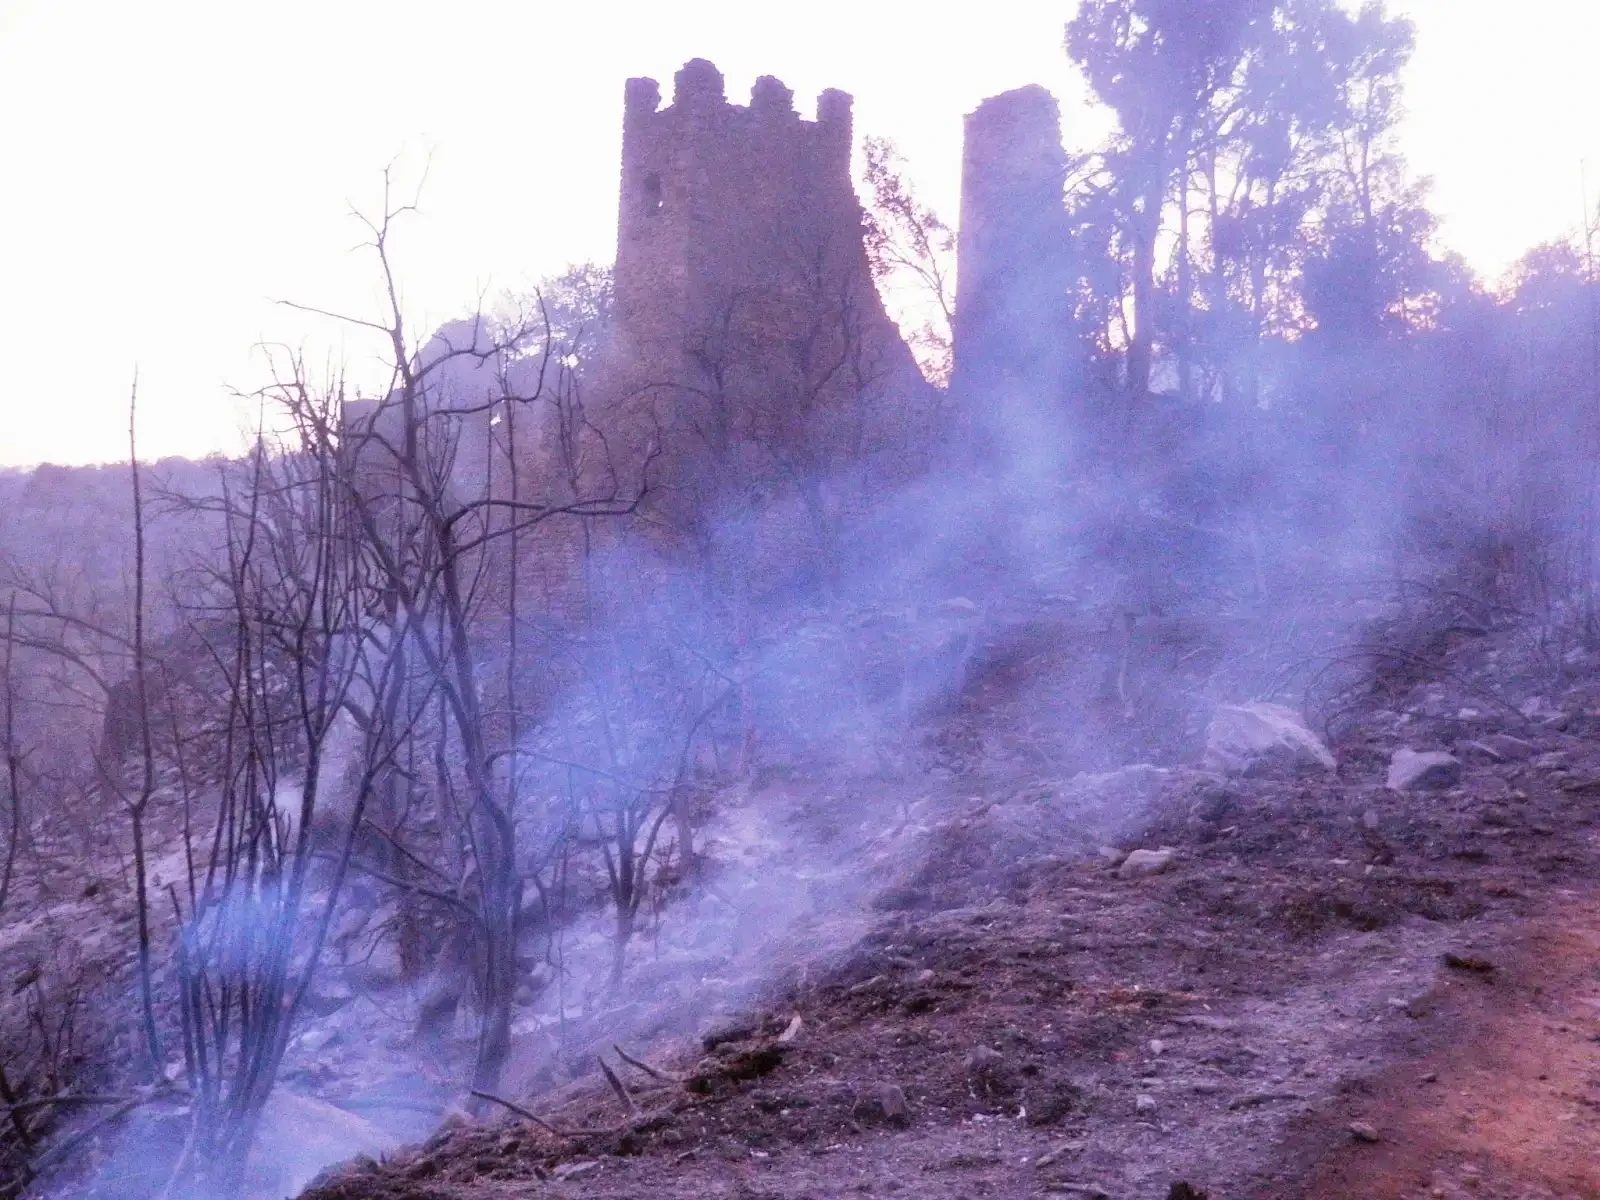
column 1084, row 682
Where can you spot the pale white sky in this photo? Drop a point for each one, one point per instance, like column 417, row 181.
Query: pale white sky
column 169, row 167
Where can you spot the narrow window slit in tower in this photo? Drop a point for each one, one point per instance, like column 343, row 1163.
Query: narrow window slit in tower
column 652, row 195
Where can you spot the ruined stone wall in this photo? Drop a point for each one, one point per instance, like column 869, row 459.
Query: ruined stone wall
column 1013, row 315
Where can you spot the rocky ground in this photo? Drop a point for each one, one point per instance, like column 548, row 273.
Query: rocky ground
column 1380, row 980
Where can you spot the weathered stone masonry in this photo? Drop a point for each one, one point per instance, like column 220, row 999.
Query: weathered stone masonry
column 1013, row 307
column 739, row 222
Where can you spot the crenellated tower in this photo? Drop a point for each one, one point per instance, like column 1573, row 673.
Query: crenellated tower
column 720, row 200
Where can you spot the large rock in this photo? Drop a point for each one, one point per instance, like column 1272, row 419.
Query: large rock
column 299, row 1136
column 1414, row 771
column 1143, row 863
column 1247, row 739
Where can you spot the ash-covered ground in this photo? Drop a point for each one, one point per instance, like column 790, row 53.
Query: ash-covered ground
column 1357, row 982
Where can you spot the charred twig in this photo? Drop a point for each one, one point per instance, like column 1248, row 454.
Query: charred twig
column 46, row 1101
column 616, row 1086
column 569, row 1134
column 24, row 1134
column 653, row 1072
column 63, row 1148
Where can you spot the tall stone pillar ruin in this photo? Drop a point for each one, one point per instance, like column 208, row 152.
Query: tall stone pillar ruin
column 1012, row 320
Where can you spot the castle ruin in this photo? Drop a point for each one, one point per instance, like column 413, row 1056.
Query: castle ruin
column 739, row 219
column 750, row 374
column 1013, row 314
column 712, row 194
column 741, row 267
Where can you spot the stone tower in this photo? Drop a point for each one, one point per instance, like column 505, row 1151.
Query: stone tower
column 719, row 198
column 1012, row 321
column 750, row 356
column 737, row 216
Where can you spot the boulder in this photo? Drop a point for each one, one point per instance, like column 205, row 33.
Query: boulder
column 1249, row 738
column 350, row 924
column 374, row 962
column 1143, row 863
column 299, row 1136
column 329, row 993
column 1414, row 771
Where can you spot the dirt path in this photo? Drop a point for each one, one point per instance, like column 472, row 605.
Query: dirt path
column 1508, row 1104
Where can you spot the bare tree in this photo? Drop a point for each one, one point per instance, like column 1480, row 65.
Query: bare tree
column 308, row 675
column 909, row 243
column 139, row 805
column 13, row 755
column 419, row 496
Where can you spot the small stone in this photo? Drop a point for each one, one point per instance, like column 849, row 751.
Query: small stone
column 1431, row 770
column 572, row 1170
column 892, row 1102
column 1369, row 819
column 729, row 1029
column 318, row 1039
column 1363, row 1132
column 985, row 1067
column 1508, row 748
column 1157, row 1047
column 1144, row 1102
column 1143, row 863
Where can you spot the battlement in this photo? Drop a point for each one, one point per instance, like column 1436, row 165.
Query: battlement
column 698, row 89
